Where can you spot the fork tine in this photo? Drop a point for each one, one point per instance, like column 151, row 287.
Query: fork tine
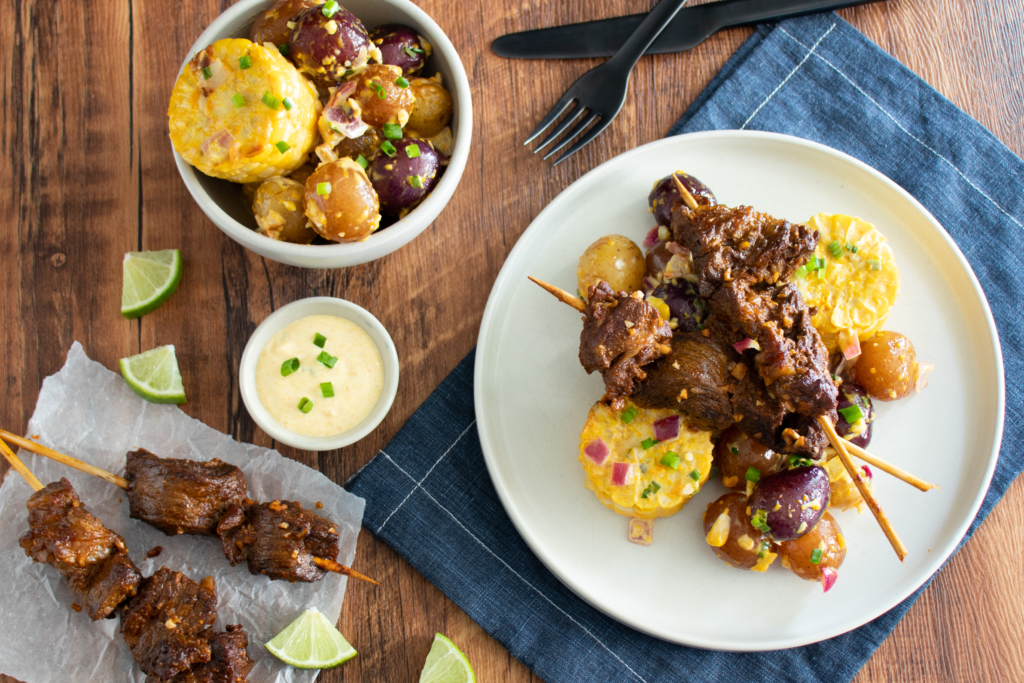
column 563, row 126
column 573, row 133
column 555, row 112
column 583, row 141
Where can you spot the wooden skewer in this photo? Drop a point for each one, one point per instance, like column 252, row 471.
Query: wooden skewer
column 838, row 443
column 902, row 475
column 685, row 194
column 40, row 449
column 332, row 566
column 17, row 464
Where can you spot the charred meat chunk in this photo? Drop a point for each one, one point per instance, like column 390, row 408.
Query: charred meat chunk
column 168, row 624
column 182, row 496
column 91, row 558
column 278, row 539
column 740, row 243
column 229, row 662
column 621, row 333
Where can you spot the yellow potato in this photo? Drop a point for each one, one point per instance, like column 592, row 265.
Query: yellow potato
column 616, row 260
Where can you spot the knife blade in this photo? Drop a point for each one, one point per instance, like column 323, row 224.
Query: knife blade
column 691, row 27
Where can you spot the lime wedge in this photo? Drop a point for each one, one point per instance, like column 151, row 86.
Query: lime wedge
column 154, row 375
column 150, row 277
column 311, row 642
column 446, row 664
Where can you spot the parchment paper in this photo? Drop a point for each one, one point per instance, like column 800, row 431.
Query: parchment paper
column 88, row 412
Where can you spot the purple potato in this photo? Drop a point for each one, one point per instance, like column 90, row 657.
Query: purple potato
column 684, row 305
column 665, row 193
column 325, row 47
column 850, row 394
column 790, row 502
column 403, row 181
column 401, row 46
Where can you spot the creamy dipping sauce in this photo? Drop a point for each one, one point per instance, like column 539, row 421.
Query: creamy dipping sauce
column 297, row 400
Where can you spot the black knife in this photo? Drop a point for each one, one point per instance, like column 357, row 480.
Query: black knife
column 691, row 27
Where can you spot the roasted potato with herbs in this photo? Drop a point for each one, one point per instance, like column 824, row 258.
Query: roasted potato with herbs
column 403, row 174
column 278, row 211
column 615, row 259
column 401, row 46
column 733, row 539
column 328, row 42
column 818, row 554
column 273, row 25
column 341, row 203
column 433, row 109
column 384, row 95
column 887, row 366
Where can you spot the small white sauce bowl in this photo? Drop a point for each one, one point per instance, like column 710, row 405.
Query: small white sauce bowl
column 279, row 319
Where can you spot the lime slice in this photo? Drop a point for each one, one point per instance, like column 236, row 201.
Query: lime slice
column 446, row 664
column 150, row 277
column 154, row 375
column 311, row 642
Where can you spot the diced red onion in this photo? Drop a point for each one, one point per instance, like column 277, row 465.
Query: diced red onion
column 666, row 428
column 747, row 343
column 867, row 471
column 921, row 378
column 677, row 249
column 342, row 116
column 620, row 473
column 828, row 578
column 677, row 266
column 849, row 344
column 597, row 450
column 641, row 531
column 652, row 238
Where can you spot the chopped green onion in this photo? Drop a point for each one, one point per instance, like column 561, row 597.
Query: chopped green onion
column 759, row 521
column 852, row 413
column 695, row 475
column 388, row 148
column 412, row 151
column 330, row 8
column 238, row 100
column 289, row 366
column 753, row 474
column 305, row 405
column 270, row 100
column 670, row 459
column 714, row 472
column 327, row 389
column 413, row 51
column 392, row 131
column 379, row 89
column 764, row 549
column 852, row 248
column 836, row 249
column 207, row 74
column 800, row 272
column 798, row 461
column 244, row 62
column 648, row 443
column 361, row 160
column 653, row 488
column 327, row 359
column 319, row 340
column 323, row 189
column 415, row 181
column 288, row 103
column 284, row 49
column 874, row 264
column 816, row 556
column 734, row 450
column 348, row 72
column 628, row 414
column 401, row 82
column 815, row 263
column 282, row 147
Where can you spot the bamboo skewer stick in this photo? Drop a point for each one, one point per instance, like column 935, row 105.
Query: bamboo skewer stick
column 17, row 464
column 332, row 566
column 685, row 194
column 902, row 475
column 838, row 443
column 40, row 449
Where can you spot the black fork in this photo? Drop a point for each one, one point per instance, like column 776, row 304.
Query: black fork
column 600, row 93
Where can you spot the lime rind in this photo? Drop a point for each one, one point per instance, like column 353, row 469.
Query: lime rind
column 311, row 642
column 446, row 663
column 150, row 278
column 154, row 375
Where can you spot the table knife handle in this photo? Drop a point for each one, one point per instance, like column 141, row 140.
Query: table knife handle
column 645, row 34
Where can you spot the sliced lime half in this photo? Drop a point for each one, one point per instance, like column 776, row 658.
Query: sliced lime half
column 446, row 664
column 311, row 642
column 154, row 375
column 150, row 277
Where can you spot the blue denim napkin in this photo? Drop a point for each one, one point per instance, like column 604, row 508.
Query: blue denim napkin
column 428, row 493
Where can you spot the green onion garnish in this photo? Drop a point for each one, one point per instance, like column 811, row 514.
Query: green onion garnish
column 753, row 474
column 327, row 359
column 734, row 450
column 327, row 389
column 852, row 413
column 305, row 405
column 282, row 147
column 284, row 49
column 392, row 131
column 653, row 488
column 361, row 160
column 379, row 89
column 695, row 475
column 874, row 264
column 289, row 366
column 319, row 340
column 797, row 461
column 412, row 151
column 815, row 263
column 816, row 556
column 628, row 414
column 852, row 248
column 415, row 181
column 764, row 549
column 759, row 521
column 800, row 272
column 388, row 148
column 330, row 8
column 836, row 249
column 670, row 459
column 288, row 103
column 238, row 100
column 244, row 62
column 648, row 443
column 323, row 189
column 270, row 100
column 401, row 82
column 207, row 74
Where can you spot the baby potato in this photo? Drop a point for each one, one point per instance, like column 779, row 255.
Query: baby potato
column 731, row 536
column 433, row 109
column 341, row 202
column 380, row 96
column 799, row 555
column 278, row 211
column 887, row 366
column 272, row 25
column 327, row 43
column 615, row 259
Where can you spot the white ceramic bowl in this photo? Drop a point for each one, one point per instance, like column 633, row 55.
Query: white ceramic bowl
column 318, row 305
column 223, row 203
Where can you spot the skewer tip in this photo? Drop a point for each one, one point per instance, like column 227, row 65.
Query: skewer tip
column 337, row 568
column 684, row 193
column 560, row 294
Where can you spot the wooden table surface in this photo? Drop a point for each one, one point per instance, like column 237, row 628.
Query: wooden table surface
column 89, row 175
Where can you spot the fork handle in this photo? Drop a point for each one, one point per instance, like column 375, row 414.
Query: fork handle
column 646, row 33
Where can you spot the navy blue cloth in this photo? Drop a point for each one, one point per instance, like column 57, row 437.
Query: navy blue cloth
column 428, row 493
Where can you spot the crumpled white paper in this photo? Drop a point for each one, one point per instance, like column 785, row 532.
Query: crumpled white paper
column 88, row 412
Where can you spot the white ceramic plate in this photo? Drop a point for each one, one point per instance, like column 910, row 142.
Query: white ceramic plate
column 532, row 398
